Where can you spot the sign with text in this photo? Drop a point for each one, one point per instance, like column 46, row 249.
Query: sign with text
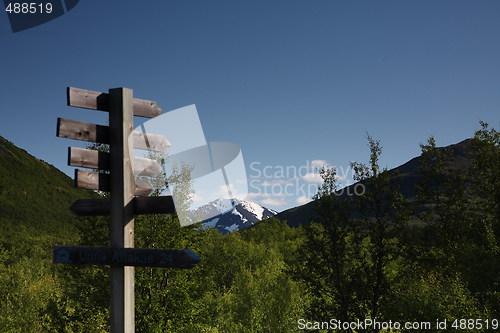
column 124, row 256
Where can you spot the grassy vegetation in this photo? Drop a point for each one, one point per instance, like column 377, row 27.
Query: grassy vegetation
column 272, row 277
column 34, row 199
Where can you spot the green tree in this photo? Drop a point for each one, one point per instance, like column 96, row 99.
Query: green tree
column 481, row 264
column 158, row 182
column 179, row 182
column 443, row 201
column 27, row 286
column 383, row 214
column 166, row 299
column 248, row 288
column 325, row 259
column 455, row 257
column 182, row 190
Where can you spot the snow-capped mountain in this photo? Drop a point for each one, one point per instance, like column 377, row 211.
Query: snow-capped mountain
column 227, row 215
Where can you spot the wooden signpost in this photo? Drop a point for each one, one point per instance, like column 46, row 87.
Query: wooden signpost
column 127, row 196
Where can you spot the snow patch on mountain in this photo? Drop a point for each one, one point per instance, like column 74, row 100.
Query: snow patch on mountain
column 211, row 223
column 232, row 228
column 227, row 215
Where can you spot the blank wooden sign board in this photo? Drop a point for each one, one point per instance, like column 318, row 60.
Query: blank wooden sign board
column 128, row 196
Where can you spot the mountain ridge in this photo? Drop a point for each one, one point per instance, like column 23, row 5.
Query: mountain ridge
column 35, row 197
column 301, row 215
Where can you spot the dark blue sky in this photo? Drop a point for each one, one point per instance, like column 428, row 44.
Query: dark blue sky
column 290, row 82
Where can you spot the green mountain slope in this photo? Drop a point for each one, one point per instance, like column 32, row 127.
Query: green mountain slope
column 34, row 199
column 302, row 215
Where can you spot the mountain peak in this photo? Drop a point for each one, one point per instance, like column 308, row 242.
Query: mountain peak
column 227, row 215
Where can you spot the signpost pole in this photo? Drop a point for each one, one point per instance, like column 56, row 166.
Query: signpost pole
column 122, row 315
column 121, row 206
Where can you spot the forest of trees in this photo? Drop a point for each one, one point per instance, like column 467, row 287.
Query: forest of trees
column 359, row 260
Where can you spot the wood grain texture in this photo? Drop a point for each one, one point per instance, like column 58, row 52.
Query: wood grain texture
column 94, row 100
column 93, row 159
column 146, row 167
column 93, row 180
column 79, row 130
column 87, row 158
column 122, row 303
column 142, row 188
column 148, row 141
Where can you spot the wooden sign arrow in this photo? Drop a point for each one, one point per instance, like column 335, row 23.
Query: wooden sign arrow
column 124, row 256
column 93, row 180
column 93, row 159
column 142, row 206
column 152, row 142
column 94, row 100
column 79, row 130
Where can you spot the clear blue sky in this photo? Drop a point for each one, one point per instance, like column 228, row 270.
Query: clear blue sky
column 290, row 82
